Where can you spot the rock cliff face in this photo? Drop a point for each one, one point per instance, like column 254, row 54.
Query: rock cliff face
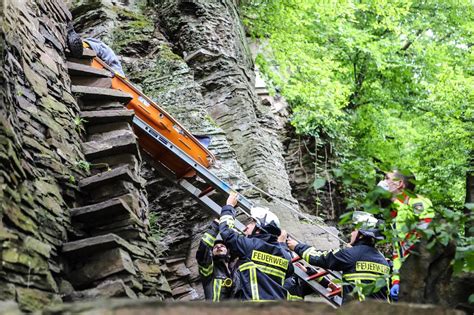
column 40, row 151
column 58, row 239
column 210, row 38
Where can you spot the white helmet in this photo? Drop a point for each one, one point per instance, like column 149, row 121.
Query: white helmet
column 264, row 217
column 365, row 219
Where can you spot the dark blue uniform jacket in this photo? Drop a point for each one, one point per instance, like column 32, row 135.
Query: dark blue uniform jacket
column 263, row 262
column 361, row 263
column 216, row 276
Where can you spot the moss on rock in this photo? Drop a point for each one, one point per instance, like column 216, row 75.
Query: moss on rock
column 136, row 28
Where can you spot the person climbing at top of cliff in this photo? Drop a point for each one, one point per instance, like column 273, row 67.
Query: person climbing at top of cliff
column 263, row 262
column 407, row 208
column 360, row 263
column 76, row 47
column 215, row 267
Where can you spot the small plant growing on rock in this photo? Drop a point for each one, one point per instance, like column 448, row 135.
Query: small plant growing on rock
column 154, row 229
column 84, row 165
column 72, row 179
column 79, row 123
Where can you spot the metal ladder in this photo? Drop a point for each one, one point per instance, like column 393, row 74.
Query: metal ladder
column 334, row 297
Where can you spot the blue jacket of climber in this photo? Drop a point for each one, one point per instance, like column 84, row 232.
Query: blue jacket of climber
column 105, row 53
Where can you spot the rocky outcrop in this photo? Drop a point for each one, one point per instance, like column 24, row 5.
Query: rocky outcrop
column 113, row 252
column 166, row 78
column 39, row 150
column 73, row 208
column 431, row 278
column 210, row 37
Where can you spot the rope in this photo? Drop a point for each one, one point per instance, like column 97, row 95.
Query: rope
column 299, row 213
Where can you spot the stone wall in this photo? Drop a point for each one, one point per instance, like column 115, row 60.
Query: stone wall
column 39, row 150
column 125, row 307
column 112, row 252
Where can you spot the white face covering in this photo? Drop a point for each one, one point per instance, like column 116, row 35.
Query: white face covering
column 384, row 185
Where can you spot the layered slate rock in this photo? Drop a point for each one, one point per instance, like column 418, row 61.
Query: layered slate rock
column 92, row 81
column 87, row 93
column 78, row 69
column 114, row 253
column 100, row 213
column 115, row 143
column 107, row 116
column 211, row 38
column 216, row 49
column 106, row 289
column 102, row 265
column 39, row 151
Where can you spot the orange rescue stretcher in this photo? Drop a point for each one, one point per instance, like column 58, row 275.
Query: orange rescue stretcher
column 157, row 118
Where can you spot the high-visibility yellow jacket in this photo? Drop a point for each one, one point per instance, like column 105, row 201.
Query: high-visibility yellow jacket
column 406, row 211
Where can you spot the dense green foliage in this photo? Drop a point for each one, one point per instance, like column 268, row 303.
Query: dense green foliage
column 387, row 83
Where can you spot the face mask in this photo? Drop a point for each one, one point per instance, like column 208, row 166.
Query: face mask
column 384, row 185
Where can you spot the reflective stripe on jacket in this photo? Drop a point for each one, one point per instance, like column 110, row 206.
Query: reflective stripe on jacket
column 359, row 264
column 263, row 263
column 216, row 279
column 406, row 212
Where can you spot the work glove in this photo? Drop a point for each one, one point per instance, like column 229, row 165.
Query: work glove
column 214, row 225
column 394, row 292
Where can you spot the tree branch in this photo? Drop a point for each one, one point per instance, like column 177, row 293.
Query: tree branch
column 410, row 42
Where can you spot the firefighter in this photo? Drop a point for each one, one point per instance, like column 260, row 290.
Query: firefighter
column 214, row 268
column 263, row 262
column 360, row 263
column 407, row 208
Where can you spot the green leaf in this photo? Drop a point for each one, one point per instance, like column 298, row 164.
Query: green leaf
column 469, row 206
column 345, row 218
column 337, row 172
column 458, row 266
column 319, row 183
column 380, row 283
